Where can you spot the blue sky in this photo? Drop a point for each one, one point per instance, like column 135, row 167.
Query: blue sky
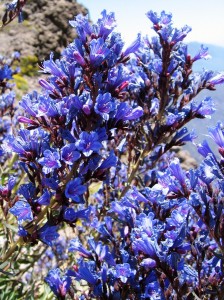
column 206, row 17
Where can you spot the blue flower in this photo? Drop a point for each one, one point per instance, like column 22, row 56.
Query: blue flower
column 106, row 24
column 26, row 144
column 218, row 79
column 71, row 215
column 74, row 189
column 217, row 135
column 164, row 18
column 11, row 182
column 109, row 162
column 50, row 161
column 203, row 53
column 58, row 285
column 125, row 112
column 153, row 290
column 27, row 190
column 204, row 109
column 83, row 27
column 85, row 272
column 69, row 154
column 48, row 234
column 5, row 73
column 44, row 199
column 133, row 47
column 204, row 149
column 123, row 271
column 22, row 210
column 101, row 251
column 104, row 105
column 51, row 67
column 179, row 35
column 177, row 172
column 22, row 231
column 157, row 65
column 76, row 245
column 183, row 136
column 88, row 143
column 117, row 77
column 146, row 245
column 98, row 52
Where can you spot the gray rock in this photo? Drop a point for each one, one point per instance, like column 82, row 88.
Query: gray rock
column 46, row 28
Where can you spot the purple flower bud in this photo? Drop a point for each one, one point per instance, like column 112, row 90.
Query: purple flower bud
column 148, row 263
column 78, row 57
column 46, row 85
column 87, row 107
column 26, row 120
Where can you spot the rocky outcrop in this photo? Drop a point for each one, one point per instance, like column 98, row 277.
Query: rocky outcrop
column 46, row 28
column 186, row 160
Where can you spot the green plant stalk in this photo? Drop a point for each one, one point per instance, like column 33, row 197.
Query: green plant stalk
column 143, row 154
column 21, row 241
column 37, row 221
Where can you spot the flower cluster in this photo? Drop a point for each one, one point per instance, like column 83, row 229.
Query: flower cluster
column 96, row 149
column 70, row 126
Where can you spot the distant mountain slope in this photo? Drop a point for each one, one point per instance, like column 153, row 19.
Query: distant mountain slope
column 201, row 125
column 216, row 63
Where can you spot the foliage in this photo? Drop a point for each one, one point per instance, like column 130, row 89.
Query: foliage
column 21, row 82
column 29, row 65
column 104, row 208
